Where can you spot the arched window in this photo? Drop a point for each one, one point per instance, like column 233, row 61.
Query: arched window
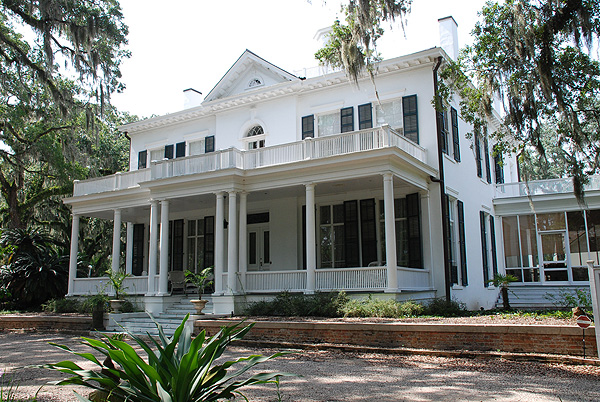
column 259, row 141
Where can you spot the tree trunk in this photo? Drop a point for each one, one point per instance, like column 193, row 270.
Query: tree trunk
column 504, row 293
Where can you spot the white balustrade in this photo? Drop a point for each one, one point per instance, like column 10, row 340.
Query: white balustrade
column 89, row 286
column 413, row 278
column 310, row 148
column 275, row 281
column 372, row 278
column 543, row 187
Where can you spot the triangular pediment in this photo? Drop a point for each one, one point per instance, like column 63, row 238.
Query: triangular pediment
column 249, row 73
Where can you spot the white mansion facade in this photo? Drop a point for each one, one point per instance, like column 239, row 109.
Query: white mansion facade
column 287, row 183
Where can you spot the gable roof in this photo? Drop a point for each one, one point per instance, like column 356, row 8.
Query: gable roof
column 231, row 80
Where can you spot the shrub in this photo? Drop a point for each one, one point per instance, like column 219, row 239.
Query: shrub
column 66, row 305
column 93, row 302
column 446, row 308
column 286, row 304
column 565, row 299
column 178, row 369
column 373, row 307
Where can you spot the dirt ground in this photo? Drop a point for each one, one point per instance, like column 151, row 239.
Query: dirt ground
column 328, row 376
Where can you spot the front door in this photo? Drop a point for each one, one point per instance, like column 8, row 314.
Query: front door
column 554, row 256
column 259, row 248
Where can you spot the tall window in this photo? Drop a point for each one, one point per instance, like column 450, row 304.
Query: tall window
column 410, row 115
column 488, row 171
column 180, row 150
column 329, row 124
column 477, row 145
column 196, row 147
column 169, row 151
column 200, row 243
column 365, row 116
column 408, row 231
column 258, row 133
column 347, row 119
column 331, row 228
column 455, row 134
column 452, row 255
column 484, row 248
column 209, row 144
column 157, row 154
column 308, row 126
column 390, row 113
column 137, row 261
column 462, row 243
column 498, row 167
column 142, row 158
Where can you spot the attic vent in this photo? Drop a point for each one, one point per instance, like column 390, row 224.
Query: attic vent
column 255, row 82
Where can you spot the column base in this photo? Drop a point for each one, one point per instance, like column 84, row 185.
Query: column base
column 392, row 290
column 223, row 305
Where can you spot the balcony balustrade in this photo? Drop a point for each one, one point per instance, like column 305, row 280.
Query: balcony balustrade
column 311, row 148
column 543, row 187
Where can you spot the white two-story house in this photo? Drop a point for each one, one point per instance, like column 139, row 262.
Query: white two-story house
column 313, row 184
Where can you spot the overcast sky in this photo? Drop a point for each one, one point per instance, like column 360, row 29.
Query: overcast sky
column 184, row 44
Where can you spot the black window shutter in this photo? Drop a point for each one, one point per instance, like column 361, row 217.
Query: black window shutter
column 142, row 159
column 368, row 231
column 455, row 135
column 209, row 242
column 443, row 116
column 413, row 214
column 365, row 116
column 462, row 242
column 493, row 241
column 484, row 249
column 180, row 150
column 498, row 168
column 453, row 267
column 478, row 153
column 169, row 151
column 488, row 171
column 351, row 246
column 347, row 119
column 137, row 261
column 308, row 126
column 410, row 117
column 177, row 249
column 209, row 144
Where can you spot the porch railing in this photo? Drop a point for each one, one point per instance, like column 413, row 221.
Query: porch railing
column 351, row 279
column 135, row 285
column 275, row 281
column 543, row 187
column 311, row 148
column 413, row 278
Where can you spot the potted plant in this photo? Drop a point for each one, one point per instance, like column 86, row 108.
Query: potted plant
column 116, row 280
column 201, row 280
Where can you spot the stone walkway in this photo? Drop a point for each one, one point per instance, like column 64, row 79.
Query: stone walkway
column 328, row 376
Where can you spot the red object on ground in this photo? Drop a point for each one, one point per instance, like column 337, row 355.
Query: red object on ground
column 584, row 321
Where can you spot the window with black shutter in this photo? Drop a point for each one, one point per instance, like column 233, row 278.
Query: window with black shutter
column 415, row 255
column 443, row 115
column 351, row 246
column 365, row 116
column 169, row 151
column 347, row 119
column 180, row 150
column 478, row 153
column 368, row 232
column 209, row 144
column 142, row 159
column 455, row 135
column 308, row 126
column 493, row 241
column 137, row 260
column 176, row 249
column 488, row 170
column 462, row 243
column 209, row 241
column 498, row 167
column 410, row 117
column 484, row 249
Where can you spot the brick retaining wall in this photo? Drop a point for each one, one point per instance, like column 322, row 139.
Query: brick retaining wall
column 44, row 323
column 564, row 340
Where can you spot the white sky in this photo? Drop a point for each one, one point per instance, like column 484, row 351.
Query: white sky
column 184, row 44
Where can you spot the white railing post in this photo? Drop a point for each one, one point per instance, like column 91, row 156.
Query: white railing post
column 594, row 277
column 386, row 140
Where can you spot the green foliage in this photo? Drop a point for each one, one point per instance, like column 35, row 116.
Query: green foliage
column 201, row 279
column 579, row 298
column 288, row 304
column 35, row 271
column 503, row 281
column 446, row 308
column 177, row 369
column 373, row 307
column 66, row 305
column 117, row 279
column 353, row 45
column 8, row 388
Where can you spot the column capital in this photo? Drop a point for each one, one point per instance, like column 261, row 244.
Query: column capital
column 387, row 175
column 153, row 201
column 164, row 202
column 233, row 192
column 220, row 194
column 311, row 185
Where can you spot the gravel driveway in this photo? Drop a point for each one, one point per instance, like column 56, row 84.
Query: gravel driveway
column 336, row 376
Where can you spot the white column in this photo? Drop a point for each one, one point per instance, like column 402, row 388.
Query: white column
column 219, row 243
column 232, row 245
column 153, row 247
column 242, row 242
column 129, row 248
column 73, row 255
column 311, row 259
column 164, row 248
column 390, row 233
column 116, row 246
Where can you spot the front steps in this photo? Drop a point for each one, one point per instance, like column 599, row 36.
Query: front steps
column 533, row 297
column 140, row 323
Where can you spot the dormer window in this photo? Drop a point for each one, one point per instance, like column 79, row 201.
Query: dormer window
column 255, row 137
column 255, row 82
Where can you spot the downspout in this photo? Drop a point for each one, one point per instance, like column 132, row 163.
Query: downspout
column 126, row 134
column 440, row 180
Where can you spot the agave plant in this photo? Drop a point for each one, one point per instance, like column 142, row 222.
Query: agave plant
column 181, row 369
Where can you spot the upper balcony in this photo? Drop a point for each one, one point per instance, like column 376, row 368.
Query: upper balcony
column 543, row 187
column 308, row 149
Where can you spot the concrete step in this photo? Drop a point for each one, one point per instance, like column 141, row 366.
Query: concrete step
column 538, row 296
